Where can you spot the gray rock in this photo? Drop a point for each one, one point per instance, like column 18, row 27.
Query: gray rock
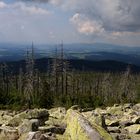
column 126, row 123
column 47, row 136
column 8, row 133
column 135, row 129
column 122, row 137
column 136, row 120
column 33, row 135
column 76, row 107
column 52, row 129
column 113, row 129
column 28, row 125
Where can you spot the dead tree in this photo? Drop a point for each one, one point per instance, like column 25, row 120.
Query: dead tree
column 29, row 85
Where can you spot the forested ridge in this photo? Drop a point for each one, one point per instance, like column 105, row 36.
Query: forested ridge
column 62, row 85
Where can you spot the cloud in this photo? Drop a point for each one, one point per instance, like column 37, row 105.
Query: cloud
column 42, row 1
column 23, row 7
column 29, row 9
column 112, row 15
column 2, row 4
column 85, row 25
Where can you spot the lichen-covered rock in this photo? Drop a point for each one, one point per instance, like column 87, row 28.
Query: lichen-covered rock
column 15, row 121
column 47, row 136
column 112, row 122
column 28, row 125
column 128, row 106
column 136, row 106
column 34, row 114
column 8, row 133
column 134, row 136
column 129, row 112
column 4, row 119
column 76, row 107
column 52, row 129
column 135, row 129
column 123, row 137
column 58, row 113
column 37, row 114
column 126, row 121
column 99, row 111
column 53, row 121
column 79, row 128
column 99, row 120
column 136, row 120
column 120, row 122
column 31, row 136
column 41, row 114
column 115, row 110
column 56, row 116
column 114, row 129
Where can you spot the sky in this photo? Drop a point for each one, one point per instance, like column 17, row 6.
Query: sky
column 73, row 21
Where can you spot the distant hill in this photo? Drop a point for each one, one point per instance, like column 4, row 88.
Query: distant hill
column 92, row 52
column 78, row 65
column 127, row 58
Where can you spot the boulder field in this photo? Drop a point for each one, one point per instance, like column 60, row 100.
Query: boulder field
column 119, row 122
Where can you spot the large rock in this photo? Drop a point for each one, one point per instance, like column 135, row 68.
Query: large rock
column 54, row 121
column 37, row 114
column 99, row 111
column 78, row 128
column 126, row 121
column 4, row 118
column 115, row 110
column 47, row 137
column 28, row 125
column 57, row 113
column 8, row 133
column 56, row 116
column 76, row 107
column 52, row 129
column 136, row 120
column 112, row 122
column 135, row 129
column 15, row 121
column 114, row 129
column 41, row 114
column 31, row 136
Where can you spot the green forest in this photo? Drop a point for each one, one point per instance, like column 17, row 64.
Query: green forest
column 61, row 85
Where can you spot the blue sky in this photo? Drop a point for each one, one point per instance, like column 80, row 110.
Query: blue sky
column 73, row 21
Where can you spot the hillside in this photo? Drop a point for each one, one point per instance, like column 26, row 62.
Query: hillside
column 76, row 64
column 94, row 52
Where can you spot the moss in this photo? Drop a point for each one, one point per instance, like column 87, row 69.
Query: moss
column 134, row 136
column 53, row 121
column 135, row 129
column 115, row 110
column 24, row 136
column 79, row 128
column 103, row 133
column 96, row 123
column 74, row 130
column 15, row 121
column 114, row 122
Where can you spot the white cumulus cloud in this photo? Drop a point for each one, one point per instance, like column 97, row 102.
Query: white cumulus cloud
column 113, row 15
column 85, row 25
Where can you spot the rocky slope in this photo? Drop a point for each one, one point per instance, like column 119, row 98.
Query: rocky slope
column 119, row 122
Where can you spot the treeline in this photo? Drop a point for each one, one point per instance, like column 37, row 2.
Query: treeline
column 60, row 85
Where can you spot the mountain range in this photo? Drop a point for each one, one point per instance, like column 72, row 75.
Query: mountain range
column 97, row 56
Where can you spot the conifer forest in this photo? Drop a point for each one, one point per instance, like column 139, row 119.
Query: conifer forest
column 61, row 85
